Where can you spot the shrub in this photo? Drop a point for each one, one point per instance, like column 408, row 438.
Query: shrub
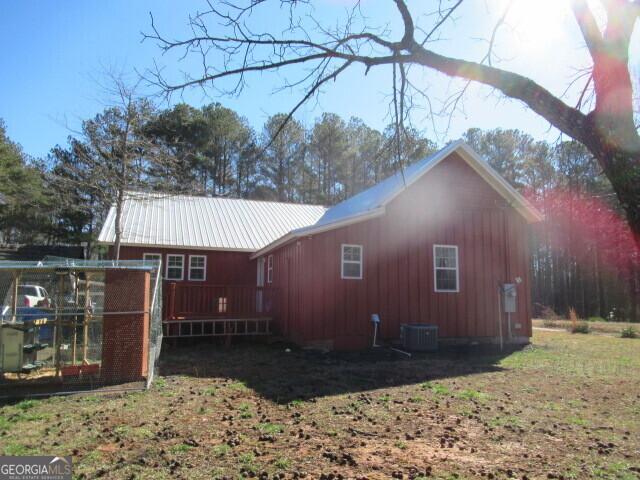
column 596, row 319
column 576, row 326
column 572, row 315
column 581, row 327
column 629, row 332
column 547, row 313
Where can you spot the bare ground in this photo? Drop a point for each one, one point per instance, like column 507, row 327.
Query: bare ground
column 566, row 407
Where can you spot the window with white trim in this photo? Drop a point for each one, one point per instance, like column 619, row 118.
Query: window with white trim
column 152, row 257
column 175, row 267
column 446, row 277
column 197, row 268
column 270, row 269
column 222, row 304
column 351, row 262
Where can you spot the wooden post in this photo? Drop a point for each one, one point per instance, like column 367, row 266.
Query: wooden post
column 172, row 301
column 58, row 326
column 85, row 319
column 14, row 299
column 75, row 320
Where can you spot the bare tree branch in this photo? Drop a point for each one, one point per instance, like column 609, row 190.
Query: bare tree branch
column 588, row 26
column 608, row 130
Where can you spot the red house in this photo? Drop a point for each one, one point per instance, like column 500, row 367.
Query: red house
column 435, row 243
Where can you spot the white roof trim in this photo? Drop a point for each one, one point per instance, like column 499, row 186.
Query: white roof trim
column 493, row 178
column 178, row 247
column 312, row 230
column 481, row 167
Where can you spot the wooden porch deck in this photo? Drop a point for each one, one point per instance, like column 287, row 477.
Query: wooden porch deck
column 201, row 310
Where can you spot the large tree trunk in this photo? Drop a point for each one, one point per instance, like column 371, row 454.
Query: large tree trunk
column 634, row 291
column 623, row 170
column 601, row 306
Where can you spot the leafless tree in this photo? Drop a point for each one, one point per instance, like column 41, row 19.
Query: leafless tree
column 115, row 155
column 228, row 48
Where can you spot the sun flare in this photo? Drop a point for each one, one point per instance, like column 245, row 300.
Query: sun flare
column 534, row 25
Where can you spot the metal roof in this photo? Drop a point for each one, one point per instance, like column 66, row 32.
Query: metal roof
column 382, row 193
column 373, row 201
column 205, row 222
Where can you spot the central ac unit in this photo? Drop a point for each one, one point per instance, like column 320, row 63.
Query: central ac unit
column 419, row 337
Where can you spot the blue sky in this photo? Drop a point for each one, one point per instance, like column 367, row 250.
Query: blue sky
column 54, row 53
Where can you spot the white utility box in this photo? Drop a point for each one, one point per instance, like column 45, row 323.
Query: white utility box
column 11, row 340
column 510, row 297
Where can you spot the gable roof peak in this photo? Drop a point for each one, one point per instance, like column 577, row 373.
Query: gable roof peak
column 372, row 202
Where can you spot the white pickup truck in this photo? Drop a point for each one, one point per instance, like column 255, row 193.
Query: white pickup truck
column 28, row 296
column 32, row 296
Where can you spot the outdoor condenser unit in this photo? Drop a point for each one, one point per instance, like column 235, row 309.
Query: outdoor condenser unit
column 419, row 337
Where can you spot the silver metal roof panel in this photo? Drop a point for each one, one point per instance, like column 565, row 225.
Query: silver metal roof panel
column 205, row 222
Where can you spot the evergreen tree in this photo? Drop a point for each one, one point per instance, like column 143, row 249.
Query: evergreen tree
column 283, row 168
column 23, row 202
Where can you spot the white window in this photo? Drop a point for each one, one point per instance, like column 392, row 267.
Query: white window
column 175, row 267
column 446, row 276
column 198, row 268
column 351, row 261
column 270, row 269
column 222, row 304
column 152, row 257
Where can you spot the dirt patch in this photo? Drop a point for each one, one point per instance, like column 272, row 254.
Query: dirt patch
column 566, row 407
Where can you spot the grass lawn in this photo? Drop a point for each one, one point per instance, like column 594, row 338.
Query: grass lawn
column 610, row 328
column 567, row 407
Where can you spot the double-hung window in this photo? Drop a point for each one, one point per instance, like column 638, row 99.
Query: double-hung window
column 197, row 268
column 175, row 267
column 152, row 257
column 446, row 277
column 351, row 262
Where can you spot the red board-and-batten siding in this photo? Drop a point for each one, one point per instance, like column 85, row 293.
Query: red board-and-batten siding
column 450, row 205
column 223, row 267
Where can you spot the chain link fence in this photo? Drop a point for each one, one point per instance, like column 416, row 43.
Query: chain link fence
column 74, row 325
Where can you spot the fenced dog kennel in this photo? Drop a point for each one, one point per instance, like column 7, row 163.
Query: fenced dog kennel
column 74, row 325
